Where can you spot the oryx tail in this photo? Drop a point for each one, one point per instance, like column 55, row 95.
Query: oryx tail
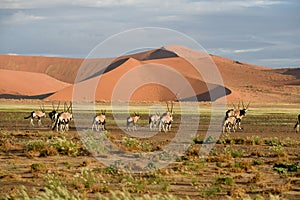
column 297, row 125
column 38, row 115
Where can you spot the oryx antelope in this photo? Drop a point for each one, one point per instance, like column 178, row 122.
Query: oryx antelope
column 297, row 124
column 54, row 114
column 38, row 115
column 238, row 114
column 155, row 121
column 99, row 121
column 167, row 118
column 64, row 118
column 229, row 123
column 131, row 121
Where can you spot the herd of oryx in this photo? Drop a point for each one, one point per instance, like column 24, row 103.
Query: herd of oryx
column 160, row 122
column 233, row 117
column 60, row 120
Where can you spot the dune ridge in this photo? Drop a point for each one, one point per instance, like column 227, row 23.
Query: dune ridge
column 151, row 76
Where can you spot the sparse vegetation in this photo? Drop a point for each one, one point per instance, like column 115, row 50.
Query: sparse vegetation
column 51, row 147
column 260, row 162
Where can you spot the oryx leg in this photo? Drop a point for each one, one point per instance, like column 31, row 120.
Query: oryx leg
column 238, row 124
column 31, row 122
column 103, row 126
column 93, row 125
column 164, row 127
column 97, row 126
column 169, row 127
column 152, row 125
column 61, row 127
column 39, row 121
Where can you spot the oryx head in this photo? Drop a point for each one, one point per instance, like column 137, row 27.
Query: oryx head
column 244, row 110
column 68, row 108
column 136, row 116
column 103, row 112
column 54, row 111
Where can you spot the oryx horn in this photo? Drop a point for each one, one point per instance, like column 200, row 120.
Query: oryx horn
column 248, row 105
column 168, row 106
column 58, row 106
column 233, row 106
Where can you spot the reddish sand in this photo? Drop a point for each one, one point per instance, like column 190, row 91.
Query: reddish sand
column 172, row 72
column 64, row 69
column 28, row 83
column 154, row 80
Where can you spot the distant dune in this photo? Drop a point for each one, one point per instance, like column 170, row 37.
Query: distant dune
column 15, row 84
column 161, row 74
column 63, row 69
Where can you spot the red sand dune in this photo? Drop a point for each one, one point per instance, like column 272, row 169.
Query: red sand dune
column 63, row 69
column 28, row 83
column 152, row 80
column 150, row 76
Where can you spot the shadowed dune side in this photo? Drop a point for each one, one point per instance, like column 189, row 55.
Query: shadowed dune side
column 293, row 72
column 95, row 67
column 14, row 96
column 142, row 81
column 109, row 68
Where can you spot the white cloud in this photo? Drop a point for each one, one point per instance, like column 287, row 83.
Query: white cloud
column 168, row 18
column 228, row 51
column 261, row 3
column 205, row 6
column 247, row 50
column 21, row 17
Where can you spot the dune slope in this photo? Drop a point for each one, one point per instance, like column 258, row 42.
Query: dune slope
column 18, row 83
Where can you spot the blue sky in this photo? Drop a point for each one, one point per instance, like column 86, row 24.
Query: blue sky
column 262, row 32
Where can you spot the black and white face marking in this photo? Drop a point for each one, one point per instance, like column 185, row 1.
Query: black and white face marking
column 131, row 121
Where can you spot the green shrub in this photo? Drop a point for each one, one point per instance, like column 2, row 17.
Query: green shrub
column 130, row 142
column 226, row 180
column 65, row 147
column 257, row 162
column 52, row 147
column 37, row 167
